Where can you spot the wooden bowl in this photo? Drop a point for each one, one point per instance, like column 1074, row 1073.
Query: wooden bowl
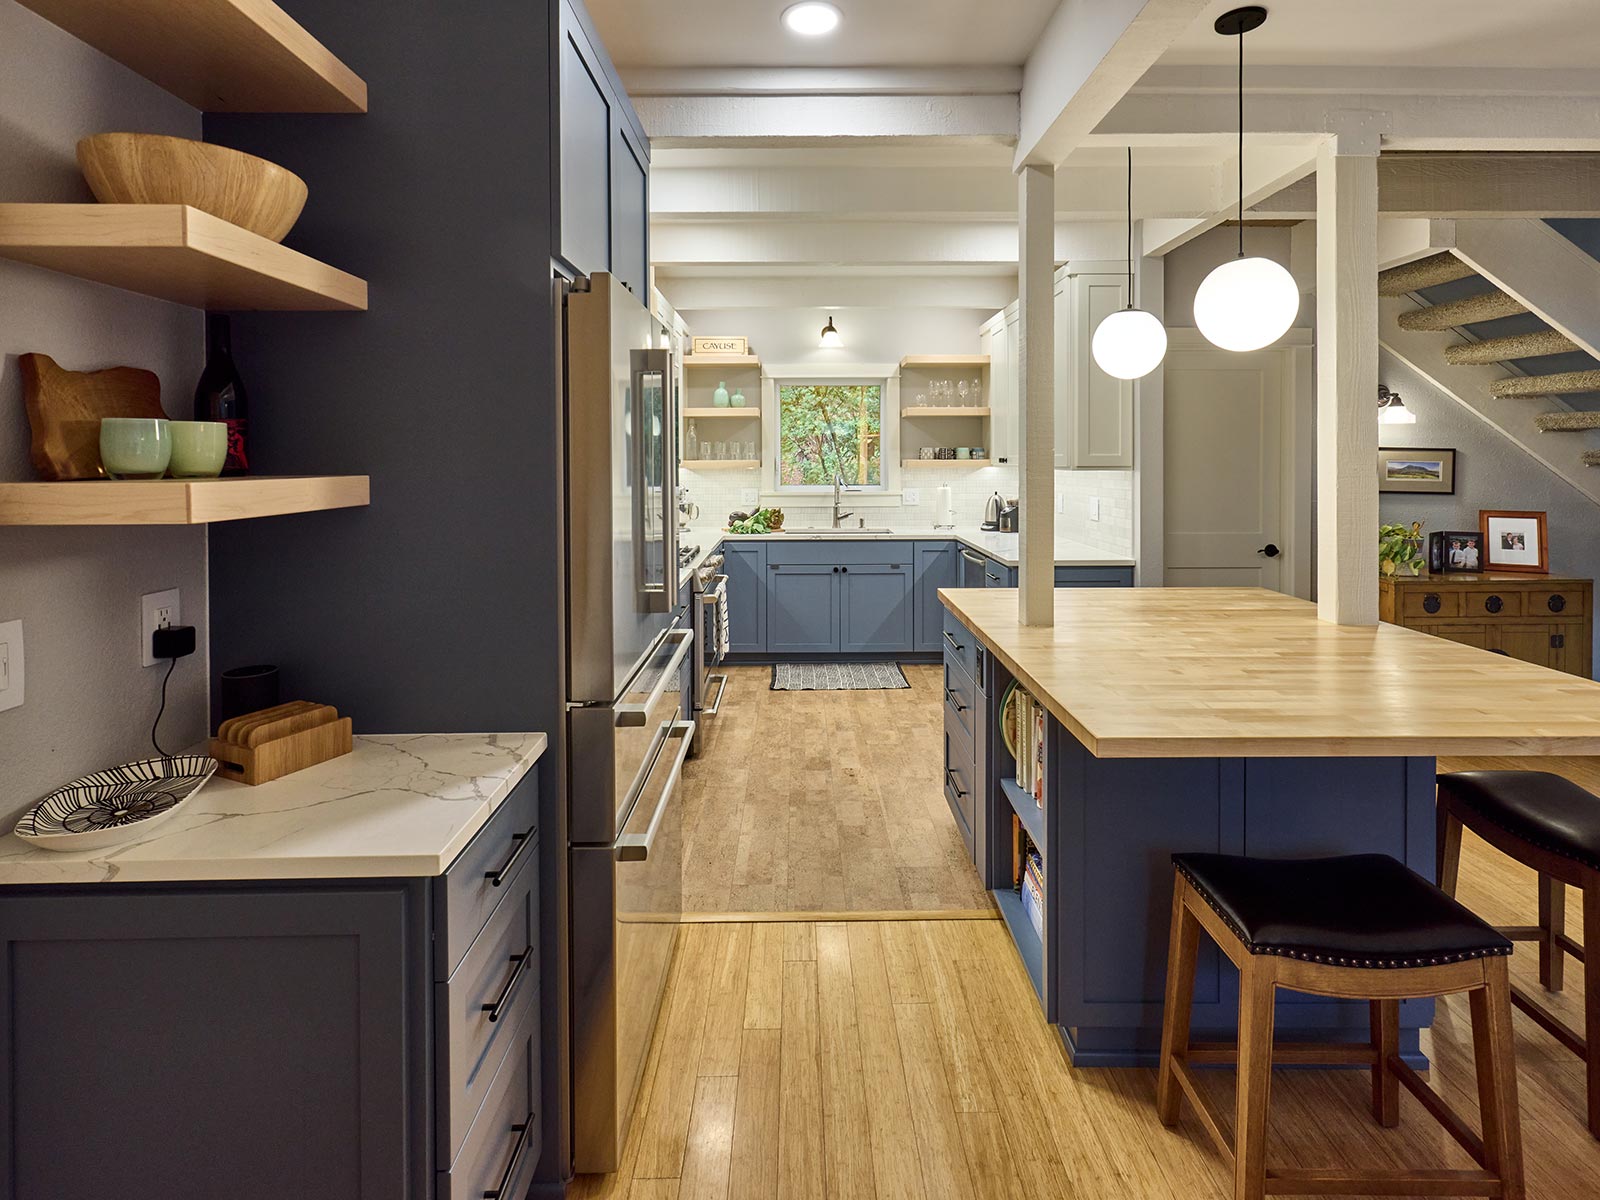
column 148, row 168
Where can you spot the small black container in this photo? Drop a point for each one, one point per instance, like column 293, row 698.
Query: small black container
column 246, row 690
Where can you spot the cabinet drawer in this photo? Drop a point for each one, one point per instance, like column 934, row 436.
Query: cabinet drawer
column 1567, row 602
column 836, row 552
column 1493, row 604
column 960, row 645
column 482, row 1007
column 479, row 878
column 960, row 697
column 502, row 1149
column 960, row 777
column 1430, row 602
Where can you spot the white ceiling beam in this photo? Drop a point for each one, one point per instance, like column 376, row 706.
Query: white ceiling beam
column 1268, row 170
column 1468, row 186
column 934, row 288
column 822, row 81
column 678, row 121
column 1272, row 78
column 872, row 243
column 1089, row 55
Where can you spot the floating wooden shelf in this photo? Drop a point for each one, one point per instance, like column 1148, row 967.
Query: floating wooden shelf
column 947, row 462
column 218, row 55
column 177, row 501
column 944, row 360
column 174, row 252
column 702, row 463
column 749, row 414
column 943, row 412
column 721, row 360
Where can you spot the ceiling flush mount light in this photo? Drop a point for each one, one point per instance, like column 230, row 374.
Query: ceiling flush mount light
column 811, row 19
column 830, row 336
column 1247, row 303
column 1131, row 343
column 1392, row 410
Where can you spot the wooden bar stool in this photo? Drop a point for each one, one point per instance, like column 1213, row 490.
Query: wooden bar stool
column 1552, row 825
column 1360, row 927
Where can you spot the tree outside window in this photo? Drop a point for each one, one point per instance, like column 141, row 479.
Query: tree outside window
column 823, row 428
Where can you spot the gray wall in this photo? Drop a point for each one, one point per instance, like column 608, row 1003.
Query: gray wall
column 1491, row 472
column 89, row 702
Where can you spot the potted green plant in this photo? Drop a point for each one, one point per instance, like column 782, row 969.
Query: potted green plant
column 1400, row 549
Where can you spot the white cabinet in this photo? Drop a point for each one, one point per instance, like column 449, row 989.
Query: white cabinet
column 998, row 339
column 1094, row 411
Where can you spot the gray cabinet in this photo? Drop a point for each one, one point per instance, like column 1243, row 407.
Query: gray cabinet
column 875, row 608
column 938, row 565
column 966, row 731
column 1094, row 411
column 802, row 608
column 745, row 565
column 630, row 211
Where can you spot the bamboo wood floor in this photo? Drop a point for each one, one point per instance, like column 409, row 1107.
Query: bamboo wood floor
column 909, row 1059
column 824, row 802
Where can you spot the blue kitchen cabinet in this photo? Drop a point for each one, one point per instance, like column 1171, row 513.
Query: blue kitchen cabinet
column 996, row 575
column 938, row 565
column 802, row 608
column 875, row 608
column 1094, row 577
column 745, row 565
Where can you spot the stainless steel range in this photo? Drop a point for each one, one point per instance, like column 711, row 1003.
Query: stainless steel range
column 709, row 586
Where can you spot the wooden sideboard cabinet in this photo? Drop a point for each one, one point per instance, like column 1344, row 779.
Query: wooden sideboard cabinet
column 1542, row 619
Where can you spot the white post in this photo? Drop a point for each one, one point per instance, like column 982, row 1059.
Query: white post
column 1036, row 267
column 1347, row 380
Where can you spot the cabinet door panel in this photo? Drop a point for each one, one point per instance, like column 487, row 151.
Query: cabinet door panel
column 1094, row 411
column 936, row 568
column 875, row 608
column 803, row 610
column 1530, row 643
column 745, row 565
column 630, row 214
column 586, row 120
column 1569, row 649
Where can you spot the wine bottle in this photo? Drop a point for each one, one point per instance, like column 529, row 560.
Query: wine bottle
column 220, row 394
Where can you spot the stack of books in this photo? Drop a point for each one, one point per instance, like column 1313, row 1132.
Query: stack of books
column 1032, row 887
column 1030, row 720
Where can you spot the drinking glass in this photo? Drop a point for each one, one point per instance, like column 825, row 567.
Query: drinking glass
column 749, row 452
column 719, row 450
column 961, row 390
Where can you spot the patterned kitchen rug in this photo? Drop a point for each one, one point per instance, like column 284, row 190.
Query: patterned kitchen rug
column 837, row 677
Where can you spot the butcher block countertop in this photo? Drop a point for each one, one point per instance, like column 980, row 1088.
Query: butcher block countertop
column 1244, row 672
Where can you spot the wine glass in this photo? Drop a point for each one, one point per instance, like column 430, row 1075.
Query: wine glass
column 961, row 390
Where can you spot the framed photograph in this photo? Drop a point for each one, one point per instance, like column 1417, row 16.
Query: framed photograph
column 1515, row 541
column 1455, row 550
column 1414, row 469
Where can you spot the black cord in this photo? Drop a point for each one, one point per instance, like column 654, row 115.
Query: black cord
column 1130, row 226
column 171, row 664
column 1241, row 142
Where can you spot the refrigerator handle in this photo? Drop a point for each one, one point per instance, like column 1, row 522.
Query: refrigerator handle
column 638, row 714
column 651, row 476
column 636, row 847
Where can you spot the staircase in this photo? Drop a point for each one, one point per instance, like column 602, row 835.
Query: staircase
column 1538, row 383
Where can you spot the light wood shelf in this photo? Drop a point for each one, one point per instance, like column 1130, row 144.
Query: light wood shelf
column 947, row 462
column 930, row 411
column 944, row 360
column 174, row 252
column 177, row 501
column 721, row 360
column 218, row 55
column 702, row 463
column 749, row 413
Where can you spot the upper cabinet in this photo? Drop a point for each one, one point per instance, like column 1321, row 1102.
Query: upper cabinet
column 603, row 197
column 1094, row 411
column 998, row 339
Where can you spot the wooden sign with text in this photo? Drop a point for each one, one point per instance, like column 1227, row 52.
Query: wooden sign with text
column 721, row 345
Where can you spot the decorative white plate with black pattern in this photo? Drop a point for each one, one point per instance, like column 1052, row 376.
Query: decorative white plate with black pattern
column 114, row 806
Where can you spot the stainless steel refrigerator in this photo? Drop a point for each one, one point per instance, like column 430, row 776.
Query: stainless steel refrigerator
column 628, row 637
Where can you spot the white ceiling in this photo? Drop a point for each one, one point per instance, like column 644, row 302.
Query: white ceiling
column 711, row 34
column 1421, row 33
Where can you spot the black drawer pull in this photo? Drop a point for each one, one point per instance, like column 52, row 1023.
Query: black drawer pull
column 996, row 578
column 1556, row 603
column 951, row 696
column 519, row 966
column 1431, row 602
column 1558, row 641
column 953, row 641
column 950, row 778
column 523, row 841
column 1494, row 604
column 510, row 1172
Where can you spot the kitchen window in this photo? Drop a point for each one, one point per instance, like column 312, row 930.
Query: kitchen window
column 829, row 427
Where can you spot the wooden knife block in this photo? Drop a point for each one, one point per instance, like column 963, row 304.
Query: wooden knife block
column 262, row 746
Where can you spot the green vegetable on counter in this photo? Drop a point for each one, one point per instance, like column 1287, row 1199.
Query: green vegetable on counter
column 763, row 520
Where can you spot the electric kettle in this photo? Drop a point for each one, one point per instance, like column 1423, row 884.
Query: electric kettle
column 991, row 512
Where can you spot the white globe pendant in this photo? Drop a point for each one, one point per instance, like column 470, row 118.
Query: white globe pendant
column 1246, row 303
column 1129, row 344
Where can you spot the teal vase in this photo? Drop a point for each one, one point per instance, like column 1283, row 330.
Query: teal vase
column 720, row 396
column 737, row 399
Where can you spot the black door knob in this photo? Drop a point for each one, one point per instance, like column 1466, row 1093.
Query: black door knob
column 1269, row 550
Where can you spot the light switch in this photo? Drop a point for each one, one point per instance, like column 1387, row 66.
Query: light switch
column 1094, row 508
column 12, row 675
column 749, row 497
column 910, row 497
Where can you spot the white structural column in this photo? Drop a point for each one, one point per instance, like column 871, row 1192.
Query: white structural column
column 1036, row 268
column 1347, row 380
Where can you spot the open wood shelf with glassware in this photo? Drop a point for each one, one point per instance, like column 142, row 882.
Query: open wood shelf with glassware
column 177, row 253
column 177, row 501
column 218, row 55
column 947, row 462
column 930, row 411
column 701, row 464
column 748, row 413
column 954, row 362
column 722, row 360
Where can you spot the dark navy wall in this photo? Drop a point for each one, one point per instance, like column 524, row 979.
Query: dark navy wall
column 439, row 607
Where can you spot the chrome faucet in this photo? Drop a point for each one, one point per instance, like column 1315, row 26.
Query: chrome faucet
column 838, row 489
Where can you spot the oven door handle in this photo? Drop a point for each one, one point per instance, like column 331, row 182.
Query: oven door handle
column 637, row 714
column 636, row 847
column 721, row 692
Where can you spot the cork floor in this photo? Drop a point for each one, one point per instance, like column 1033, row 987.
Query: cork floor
column 824, row 802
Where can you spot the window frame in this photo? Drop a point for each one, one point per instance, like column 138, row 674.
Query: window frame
column 885, row 377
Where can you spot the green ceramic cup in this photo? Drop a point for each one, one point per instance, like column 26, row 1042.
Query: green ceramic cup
column 199, row 449
column 135, row 447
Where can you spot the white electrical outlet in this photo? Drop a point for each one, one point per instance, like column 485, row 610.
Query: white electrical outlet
column 11, row 664
column 1094, row 508
column 910, row 497
column 749, row 496
column 156, row 611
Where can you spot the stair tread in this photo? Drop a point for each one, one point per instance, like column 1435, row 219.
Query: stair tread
column 1487, row 306
column 1591, row 458
column 1443, row 267
column 1566, row 422
column 1505, row 349
column 1563, row 383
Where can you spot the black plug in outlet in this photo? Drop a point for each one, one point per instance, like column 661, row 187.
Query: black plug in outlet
column 172, row 641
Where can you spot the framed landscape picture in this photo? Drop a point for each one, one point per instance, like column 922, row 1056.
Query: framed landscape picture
column 1515, row 541
column 1416, row 469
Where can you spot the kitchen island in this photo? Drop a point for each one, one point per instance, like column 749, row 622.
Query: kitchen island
column 1225, row 720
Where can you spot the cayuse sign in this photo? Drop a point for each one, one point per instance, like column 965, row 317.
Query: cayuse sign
column 721, row 345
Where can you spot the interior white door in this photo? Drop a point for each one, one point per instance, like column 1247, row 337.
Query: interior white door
column 1224, row 510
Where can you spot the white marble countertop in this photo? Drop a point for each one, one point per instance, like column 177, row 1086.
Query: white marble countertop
column 1002, row 547
column 398, row 805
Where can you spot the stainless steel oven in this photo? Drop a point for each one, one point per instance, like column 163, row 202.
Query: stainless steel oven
column 709, row 589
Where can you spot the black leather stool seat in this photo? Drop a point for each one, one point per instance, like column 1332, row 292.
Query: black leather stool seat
column 1548, row 811
column 1359, row 910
